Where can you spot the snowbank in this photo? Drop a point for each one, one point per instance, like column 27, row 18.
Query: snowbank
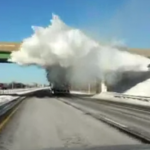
column 21, row 91
column 4, row 99
column 141, row 89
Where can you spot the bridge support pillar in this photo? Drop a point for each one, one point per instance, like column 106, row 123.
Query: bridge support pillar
column 103, row 87
column 100, row 87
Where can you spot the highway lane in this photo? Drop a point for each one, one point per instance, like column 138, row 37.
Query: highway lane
column 133, row 118
column 49, row 122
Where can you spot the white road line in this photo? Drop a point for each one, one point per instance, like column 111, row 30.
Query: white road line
column 124, row 126
column 132, row 108
column 87, row 109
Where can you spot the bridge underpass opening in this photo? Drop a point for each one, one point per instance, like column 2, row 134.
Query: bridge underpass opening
column 16, row 76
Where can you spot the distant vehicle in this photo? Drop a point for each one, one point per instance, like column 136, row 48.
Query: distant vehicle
column 60, row 88
column 3, row 86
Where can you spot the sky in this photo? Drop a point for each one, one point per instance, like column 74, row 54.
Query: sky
column 127, row 20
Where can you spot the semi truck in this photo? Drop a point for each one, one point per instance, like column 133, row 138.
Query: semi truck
column 60, row 88
column 58, row 79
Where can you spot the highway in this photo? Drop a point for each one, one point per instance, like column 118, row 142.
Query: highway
column 131, row 118
column 51, row 123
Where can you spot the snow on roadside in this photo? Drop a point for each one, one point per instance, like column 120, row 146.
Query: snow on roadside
column 141, row 89
column 109, row 96
column 5, row 98
column 21, row 91
column 12, row 91
column 104, row 95
column 79, row 92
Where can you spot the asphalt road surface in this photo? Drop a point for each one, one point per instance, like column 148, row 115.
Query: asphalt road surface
column 50, row 123
column 133, row 118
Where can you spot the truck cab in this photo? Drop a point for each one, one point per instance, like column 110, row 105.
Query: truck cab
column 60, row 89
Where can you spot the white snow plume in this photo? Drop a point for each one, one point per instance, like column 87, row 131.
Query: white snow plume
column 69, row 47
column 119, row 44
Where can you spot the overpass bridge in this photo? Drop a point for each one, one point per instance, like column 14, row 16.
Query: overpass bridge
column 129, row 79
column 7, row 47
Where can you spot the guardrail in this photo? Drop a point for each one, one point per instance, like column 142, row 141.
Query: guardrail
column 121, row 96
column 7, row 107
column 125, row 96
